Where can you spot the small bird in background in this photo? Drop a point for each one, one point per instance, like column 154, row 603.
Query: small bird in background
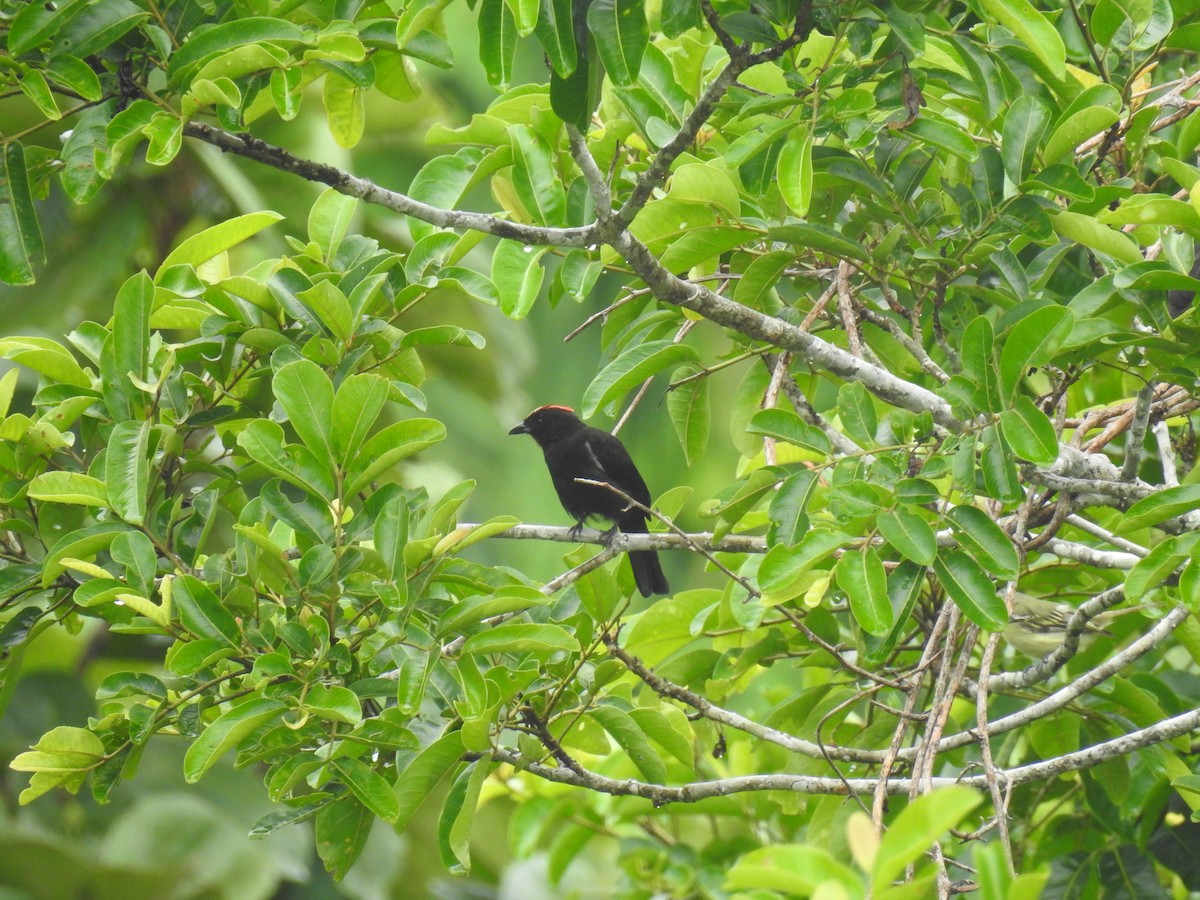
column 575, row 450
column 1038, row 627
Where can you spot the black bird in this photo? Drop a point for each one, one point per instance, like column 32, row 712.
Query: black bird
column 574, row 450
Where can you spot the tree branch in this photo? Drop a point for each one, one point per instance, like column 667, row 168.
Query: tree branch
column 250, row 147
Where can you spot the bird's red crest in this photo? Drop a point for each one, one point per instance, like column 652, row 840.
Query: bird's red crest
column 540, row 408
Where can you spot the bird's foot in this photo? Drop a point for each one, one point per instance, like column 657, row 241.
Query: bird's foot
column 606, row 537
column 575, row 530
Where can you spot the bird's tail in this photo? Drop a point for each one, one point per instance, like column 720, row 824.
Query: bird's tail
column 648, row 573
column 647, row 570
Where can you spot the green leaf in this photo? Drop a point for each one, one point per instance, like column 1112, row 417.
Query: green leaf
column 702, row 245
column 1160, row 506
column 20, row 234
column 782, row 565
column 787, row 512
column 337, row 703
column 329, row 220
column 677, row 739
column 555, row 32
column 971, row 590
column 785, row 425
column 61, row 757
column 1075, row 130
column 96, row 28
column 525, row 14
column 818, row 237
column 69, row 487
column 356, row 407
column 909, row 533
column 262, row 440
column 345, row 108
column 83, row 543
column 306, row 395
column 518, row 277
column 235, row 33
column 1087, row 231
column 943, row 136
column 905, row 585
column 45, row 357
column 633, row 366
column 1032, row 29
column 441, row 183
column 342, row 829
column 210, row 242
column 79, row 175
column 623, row 729
column 979, row 362
column 1154, row 210
column 331, row 306
column 388, row 446
column 201, row 611
column 497, row 42
column 998, row 466
column 127, row 469
column 131, row 684
column 522, row 637
column 415, row 781
column 34, row 86
column 131, row 326
column 1033, row 341
column 688, row 406
column 709, row 186
column 791, row 870
column 921, row 824
column 476, row 609
column 225, row 732
column 458, row 813
column 535, row 176
column 856, row 409
column 861, row 575
column 35, row 23
column 1030, row 432
column 1024, row 125
column 795, row 172
column 622, row 34
column 1151, row 571
column 760, row 277
column 680, row 15
column 368, row 786
column 165, row 133
column 980, row 536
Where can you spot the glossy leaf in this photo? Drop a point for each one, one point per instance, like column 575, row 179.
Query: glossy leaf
column 688, row 406
column 631, row 368
column 127, row 470
column 225, row 732
column 978, row 534
column 909, row 533
column 862, row 577
column 1033, row 341
column 1160, row 506
column 20, row 234
column 971, row 590
column 1030, row 432
column 621, row 33
column 922, row 823
column 518, row 277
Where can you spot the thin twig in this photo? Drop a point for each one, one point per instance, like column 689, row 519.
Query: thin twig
column 683, row 535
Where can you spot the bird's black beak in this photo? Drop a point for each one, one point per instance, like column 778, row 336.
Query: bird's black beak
column 520, row 429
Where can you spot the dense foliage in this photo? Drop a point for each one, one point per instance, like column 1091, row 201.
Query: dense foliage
column 929, row 261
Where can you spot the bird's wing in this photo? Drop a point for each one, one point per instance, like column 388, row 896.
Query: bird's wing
column 613, row 460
